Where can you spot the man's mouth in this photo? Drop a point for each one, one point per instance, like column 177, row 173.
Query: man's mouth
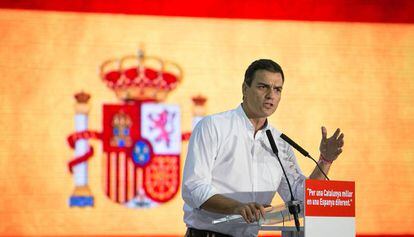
column 267, row 104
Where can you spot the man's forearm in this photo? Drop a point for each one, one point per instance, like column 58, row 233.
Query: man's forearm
column 221, row 204
column 317, row 174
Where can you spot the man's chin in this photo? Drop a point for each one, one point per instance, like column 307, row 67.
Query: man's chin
column 268, row 112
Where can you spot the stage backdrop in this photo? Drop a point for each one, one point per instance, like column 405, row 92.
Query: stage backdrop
column 357, row 75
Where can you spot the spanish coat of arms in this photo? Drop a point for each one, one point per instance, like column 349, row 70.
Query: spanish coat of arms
column 141, row 136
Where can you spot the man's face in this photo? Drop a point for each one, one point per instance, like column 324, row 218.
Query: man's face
column 262, row 97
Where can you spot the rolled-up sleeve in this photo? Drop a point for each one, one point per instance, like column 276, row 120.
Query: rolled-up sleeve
column 197, row 175
column 296, row 178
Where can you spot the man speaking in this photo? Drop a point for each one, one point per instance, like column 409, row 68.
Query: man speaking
column 230, row 167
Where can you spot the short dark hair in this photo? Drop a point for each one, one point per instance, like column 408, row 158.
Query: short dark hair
column 261, row 64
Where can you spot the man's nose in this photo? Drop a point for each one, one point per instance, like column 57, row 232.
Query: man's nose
column 271, row 93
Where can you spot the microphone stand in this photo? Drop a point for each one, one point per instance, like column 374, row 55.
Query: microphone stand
column 293, row 204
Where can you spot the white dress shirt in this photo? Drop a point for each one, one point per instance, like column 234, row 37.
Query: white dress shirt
column 224, row 157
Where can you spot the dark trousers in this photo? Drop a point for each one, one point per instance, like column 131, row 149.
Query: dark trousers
column 191, row 232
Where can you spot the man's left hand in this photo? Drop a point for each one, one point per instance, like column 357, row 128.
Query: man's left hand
column 330, row 148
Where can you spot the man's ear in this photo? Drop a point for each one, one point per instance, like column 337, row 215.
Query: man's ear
column 244, row 88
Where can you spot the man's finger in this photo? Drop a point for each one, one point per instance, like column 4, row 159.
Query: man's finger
column 341, row 141
column 262, row 212
column 324, row 133
column 255, row 210
column 335, row 135
column 257, row 214
column 249, row 214
column 244, row 215
column 341, row 137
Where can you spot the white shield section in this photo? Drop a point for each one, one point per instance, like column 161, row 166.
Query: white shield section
column 161, row 125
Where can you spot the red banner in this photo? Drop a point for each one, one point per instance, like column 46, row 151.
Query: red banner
column 329, row 198
column 386, row 11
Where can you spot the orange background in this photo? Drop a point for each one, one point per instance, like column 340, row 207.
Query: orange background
column 356, row 76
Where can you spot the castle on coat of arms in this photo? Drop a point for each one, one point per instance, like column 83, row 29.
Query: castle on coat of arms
column 141, row 135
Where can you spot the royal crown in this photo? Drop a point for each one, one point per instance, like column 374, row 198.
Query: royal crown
column 140, row 77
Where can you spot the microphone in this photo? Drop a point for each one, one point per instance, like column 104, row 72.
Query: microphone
column 302, row 151
column 294, row 144
column 293, row 205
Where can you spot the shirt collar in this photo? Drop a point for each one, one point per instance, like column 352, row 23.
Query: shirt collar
column 247, row 121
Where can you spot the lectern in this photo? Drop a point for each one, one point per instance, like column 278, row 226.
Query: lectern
column 328, row 210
